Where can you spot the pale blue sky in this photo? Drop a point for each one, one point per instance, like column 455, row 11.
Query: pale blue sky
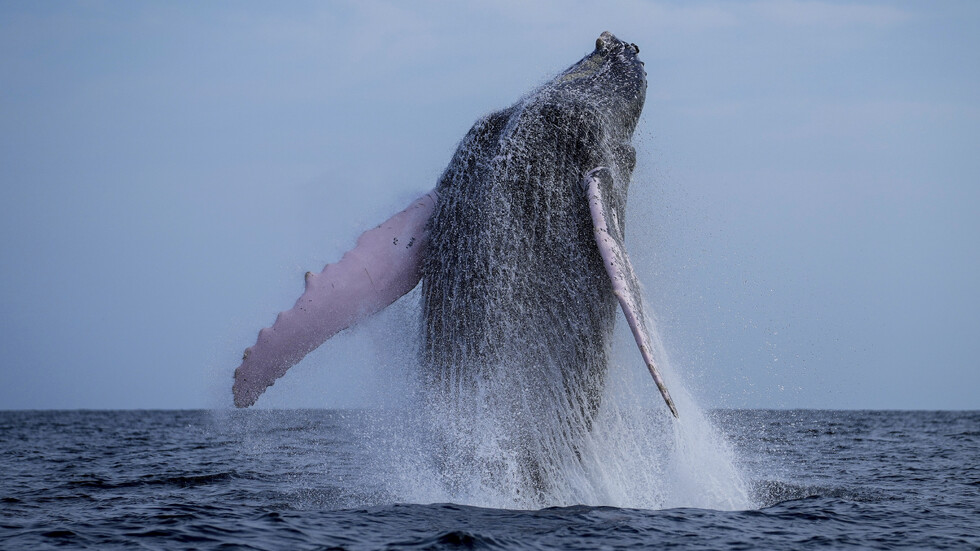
column 804, row 214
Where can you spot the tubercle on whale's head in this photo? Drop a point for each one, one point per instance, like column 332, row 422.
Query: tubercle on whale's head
column 612, row 77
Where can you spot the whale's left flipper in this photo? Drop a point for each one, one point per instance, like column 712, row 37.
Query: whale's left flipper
column 383, row 266
column 609, row 237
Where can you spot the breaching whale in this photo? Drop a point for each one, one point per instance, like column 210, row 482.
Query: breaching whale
column 519, row 249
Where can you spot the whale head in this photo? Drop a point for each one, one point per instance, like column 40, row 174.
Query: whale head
column 611, row 79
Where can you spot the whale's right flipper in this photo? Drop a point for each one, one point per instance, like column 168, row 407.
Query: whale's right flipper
column 383, row 266
column 609, row 237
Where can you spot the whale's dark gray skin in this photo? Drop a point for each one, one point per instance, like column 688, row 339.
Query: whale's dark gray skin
column 512, row 273
column 513, row 286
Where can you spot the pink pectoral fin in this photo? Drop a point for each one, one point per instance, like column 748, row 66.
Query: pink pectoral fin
column 626, row 287
column 383, row 266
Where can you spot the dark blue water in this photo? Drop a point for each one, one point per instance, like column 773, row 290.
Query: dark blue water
column 312, row 480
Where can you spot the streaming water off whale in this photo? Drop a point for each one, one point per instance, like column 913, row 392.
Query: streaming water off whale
column 311, row 480
column 631, row 456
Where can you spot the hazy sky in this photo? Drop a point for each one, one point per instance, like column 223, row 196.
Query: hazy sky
column 804, row 215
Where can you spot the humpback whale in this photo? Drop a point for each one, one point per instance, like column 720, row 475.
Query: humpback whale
column 519, row 250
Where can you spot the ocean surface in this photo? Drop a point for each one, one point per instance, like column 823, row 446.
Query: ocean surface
column 319, row 479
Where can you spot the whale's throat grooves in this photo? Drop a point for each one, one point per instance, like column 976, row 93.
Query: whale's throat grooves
column 518, row 311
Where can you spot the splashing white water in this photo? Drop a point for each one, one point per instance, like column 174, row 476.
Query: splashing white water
column 636, row 455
